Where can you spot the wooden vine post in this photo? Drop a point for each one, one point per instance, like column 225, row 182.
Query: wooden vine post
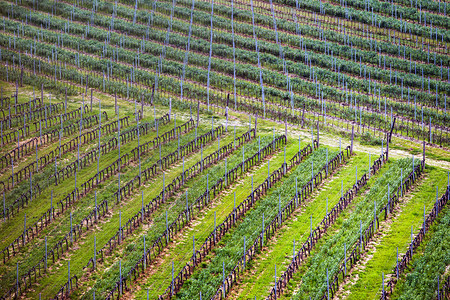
column 115, row 103
column 65, row 101
column 170, row 109
column 226, row 113
column 353, row 136
column 392, row 129
column 87, row 83
column 431, row 134
column 387, row 149
column 142, row 106
column 198, row 112
column 153, row 93
column 423, row 159
column 42, row 93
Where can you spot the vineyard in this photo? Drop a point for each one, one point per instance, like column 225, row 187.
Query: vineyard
column 224, row 149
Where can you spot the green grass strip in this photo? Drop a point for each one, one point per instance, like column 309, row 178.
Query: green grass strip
column 366, row 283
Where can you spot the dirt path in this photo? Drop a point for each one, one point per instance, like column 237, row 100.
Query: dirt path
column 329, row 140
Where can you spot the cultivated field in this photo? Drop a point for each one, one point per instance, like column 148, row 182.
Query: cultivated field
column 281, row 149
